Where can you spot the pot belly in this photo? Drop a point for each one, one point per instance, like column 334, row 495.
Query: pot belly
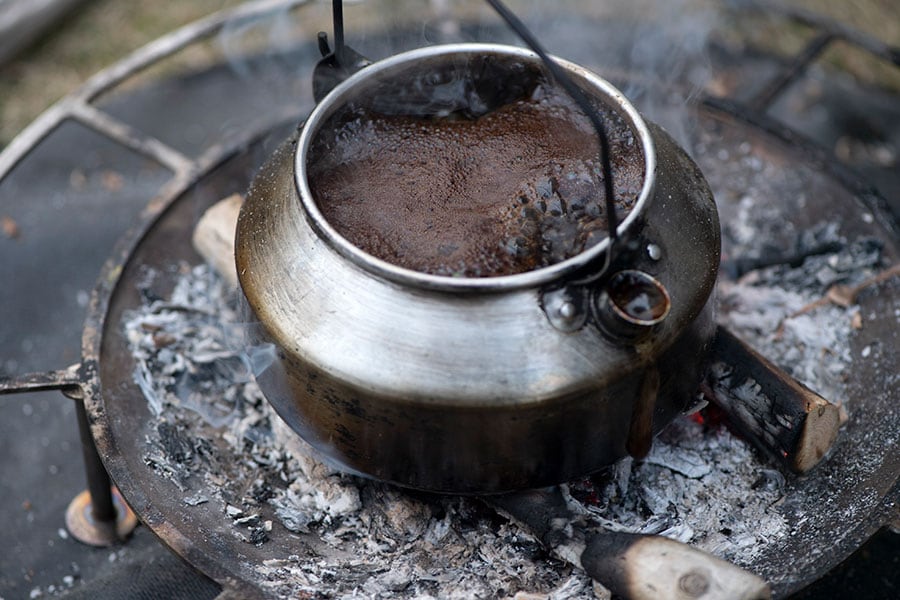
column 486, row 448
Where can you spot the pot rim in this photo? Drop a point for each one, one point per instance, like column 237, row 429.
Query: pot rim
column 335, row 99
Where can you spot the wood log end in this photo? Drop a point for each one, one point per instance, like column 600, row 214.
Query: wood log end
column 658, row 568
column 781, row 416
column 820, row 430
column 213, row 236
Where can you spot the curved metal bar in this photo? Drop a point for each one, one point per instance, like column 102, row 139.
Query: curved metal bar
column 23, row 144
column 128, row 136
column 814, row 152
column 177, row 40
column 102, row 431
column 829, row 33
column 77, row 104
column 763, row 100
column 64, row 379
column 812, row 19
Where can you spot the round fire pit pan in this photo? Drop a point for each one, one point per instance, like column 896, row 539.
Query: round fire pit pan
column 853, row 493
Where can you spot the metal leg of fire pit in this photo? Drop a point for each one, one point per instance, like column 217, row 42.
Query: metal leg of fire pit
column 99, row 515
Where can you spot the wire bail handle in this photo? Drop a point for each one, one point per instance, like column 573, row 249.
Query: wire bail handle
column 341, row 62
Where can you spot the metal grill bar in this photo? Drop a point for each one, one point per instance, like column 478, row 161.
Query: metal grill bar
column 767, row 96
column 829, row 32
column 128, row 136
column 79, row 103
column 41, row 381
column 816, row 21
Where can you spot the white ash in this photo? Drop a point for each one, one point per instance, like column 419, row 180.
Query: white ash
column 704, row 486
column 770, row 309
column 758, row 200
column 220, row 442
column 217, row 439
column 814, row 348
column 698, row 485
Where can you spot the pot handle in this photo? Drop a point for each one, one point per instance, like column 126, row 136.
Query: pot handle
column 338, row 64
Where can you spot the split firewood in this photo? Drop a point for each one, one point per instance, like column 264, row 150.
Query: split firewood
column 776, row 413
column 213, row 236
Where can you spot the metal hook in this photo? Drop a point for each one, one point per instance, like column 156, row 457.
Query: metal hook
column 338, row 64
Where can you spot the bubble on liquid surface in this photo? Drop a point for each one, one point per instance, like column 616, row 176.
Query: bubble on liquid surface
column 513, row 190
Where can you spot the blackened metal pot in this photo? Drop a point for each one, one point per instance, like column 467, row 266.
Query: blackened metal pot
column 480, row 385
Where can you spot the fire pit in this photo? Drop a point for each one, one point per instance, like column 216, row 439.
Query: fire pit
column 746, row 166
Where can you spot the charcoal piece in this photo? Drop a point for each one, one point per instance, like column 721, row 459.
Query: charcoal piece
column 177, row 446
column 261, row 491
column 258, row 536
column 530, row 547
column 681, row 460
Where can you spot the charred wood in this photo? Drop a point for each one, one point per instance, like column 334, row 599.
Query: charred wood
column 779, row 415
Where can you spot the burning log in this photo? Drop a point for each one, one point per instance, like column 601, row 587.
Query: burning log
column 779, row 415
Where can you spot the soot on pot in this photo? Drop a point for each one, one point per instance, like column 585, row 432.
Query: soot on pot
column 455, row 177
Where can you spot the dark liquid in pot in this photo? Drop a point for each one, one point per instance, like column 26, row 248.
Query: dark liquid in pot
column 513, row 190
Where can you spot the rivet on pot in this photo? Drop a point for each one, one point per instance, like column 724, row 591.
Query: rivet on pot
column 654, row 252
column 564, row 309
column 631, row 304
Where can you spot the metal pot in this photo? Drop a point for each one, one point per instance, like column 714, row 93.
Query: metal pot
column 483, row 385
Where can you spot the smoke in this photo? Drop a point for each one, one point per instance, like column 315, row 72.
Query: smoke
column 672, row 51
column 251, row 44
column 655, row 51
